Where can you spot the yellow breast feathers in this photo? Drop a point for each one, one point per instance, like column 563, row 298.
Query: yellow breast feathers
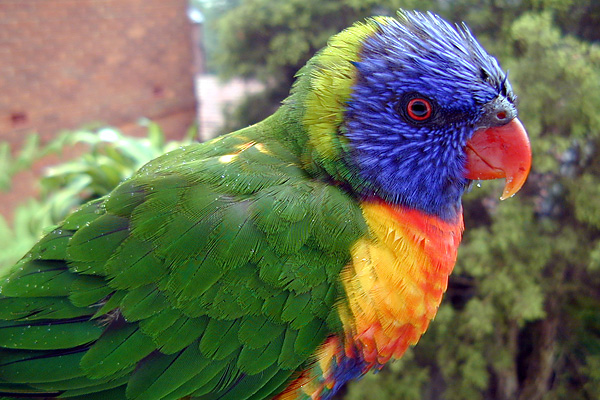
column 395, row 281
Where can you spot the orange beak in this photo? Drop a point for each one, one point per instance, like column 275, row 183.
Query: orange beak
column 500, row 152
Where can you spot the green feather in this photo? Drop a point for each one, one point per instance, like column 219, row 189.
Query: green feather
column 201, row 305
column 254, row 360
column 24, row 391
column 275, row 385
column 291, row 237
column 235, row 239
column 194, row 277
column 82, row 217
column 134, row 264
column 117, row 393
column 39, row 278
column 273, row 306
column 225, row 303
column 52, row 246
column 87, row 290
column 199, row 201
column 110, row 305
column 309, row 336
column 296, row 310
column 84, row 383
column 116, row 350
column 215, row 379
column 322, row 297
column 92, row 245
column 150, row 219
column 161, row 374
column 203, row 382
column 184, row 239
column 305, row 269
column 245, row 386
column 220, row 338
column 257, row 331
column 21, row 366
column 277, row 205
column 158, row 323
column 48, row 334
column 125, row 198
column 181, row 334
column 35, row 308
column 290, row 357
column 143, row 302
column 100, row 386
column 337, row 221
column 271, row 267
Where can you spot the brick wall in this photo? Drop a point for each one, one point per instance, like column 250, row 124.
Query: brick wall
column 65, row 63
column 68, row 63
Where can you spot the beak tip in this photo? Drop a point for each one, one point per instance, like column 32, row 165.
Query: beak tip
column 515, row 182
column 507, row 195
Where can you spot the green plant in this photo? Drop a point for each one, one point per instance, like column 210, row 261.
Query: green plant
column 110, row 158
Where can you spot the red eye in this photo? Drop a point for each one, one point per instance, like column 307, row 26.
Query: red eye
column 419, row 109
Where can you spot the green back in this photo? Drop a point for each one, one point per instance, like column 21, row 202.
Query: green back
column 213, row 272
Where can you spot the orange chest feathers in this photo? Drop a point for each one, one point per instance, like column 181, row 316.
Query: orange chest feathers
column 395, row 280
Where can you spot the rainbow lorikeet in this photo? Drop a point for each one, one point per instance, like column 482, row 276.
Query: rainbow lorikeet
column 282, row 260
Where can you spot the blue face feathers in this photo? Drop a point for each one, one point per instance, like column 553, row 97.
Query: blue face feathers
column 420, row 91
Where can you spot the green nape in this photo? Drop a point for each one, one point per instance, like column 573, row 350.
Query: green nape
column 309, row 122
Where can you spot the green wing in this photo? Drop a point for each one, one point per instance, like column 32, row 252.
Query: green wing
column 212, row 273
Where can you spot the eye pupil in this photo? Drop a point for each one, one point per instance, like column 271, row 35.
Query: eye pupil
column 419, row 109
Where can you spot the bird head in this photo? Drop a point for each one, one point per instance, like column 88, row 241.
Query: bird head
column 411, row 110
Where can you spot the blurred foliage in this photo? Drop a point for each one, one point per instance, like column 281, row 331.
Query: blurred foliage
column 521, row 319
column 270, row 41
column 109, row 158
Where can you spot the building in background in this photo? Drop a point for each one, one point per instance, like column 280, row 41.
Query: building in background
column 68, row 63
column 216, row 97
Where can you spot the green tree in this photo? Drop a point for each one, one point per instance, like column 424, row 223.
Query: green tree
column 110, row 158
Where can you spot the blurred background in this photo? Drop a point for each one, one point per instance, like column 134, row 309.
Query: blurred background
column 92, row 89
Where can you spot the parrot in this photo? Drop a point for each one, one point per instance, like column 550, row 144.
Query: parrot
column 282, row 260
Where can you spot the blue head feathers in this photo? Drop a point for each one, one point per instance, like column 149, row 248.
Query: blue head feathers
column 420, row 90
